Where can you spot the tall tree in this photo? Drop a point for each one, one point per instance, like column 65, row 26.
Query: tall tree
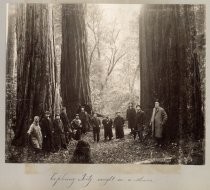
column 169, row 67
column 11, row 60
column 75, row 88
column 35, row 66
column 11, row 40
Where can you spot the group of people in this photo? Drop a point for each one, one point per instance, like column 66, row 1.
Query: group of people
column 48, row 135
column 136, row 122
column 51, row 136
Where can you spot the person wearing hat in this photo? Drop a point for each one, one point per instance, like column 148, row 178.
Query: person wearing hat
column 46, row 128
column 84, row 119
column 76, row 127
column 35, row 134
column 140, row 121
column 131, row 117
column 96, row 127
column 107, row 123
column 158, row 120
column 59, row 134
column 119, row 124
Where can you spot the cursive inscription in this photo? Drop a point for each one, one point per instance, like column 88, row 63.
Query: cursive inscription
column 84, row 180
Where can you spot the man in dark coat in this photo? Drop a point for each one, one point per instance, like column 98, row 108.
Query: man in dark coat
column 158, row 120
column 46, row 128
column 119, row 124
column 131, row 117
column 66, row 124
column 59, row 134
column 140, row 121
column 76, row 127
column 107, row 123
column 84, row 119
column 96, row 127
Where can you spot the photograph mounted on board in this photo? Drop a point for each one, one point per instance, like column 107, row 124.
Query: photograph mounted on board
column 105, row 83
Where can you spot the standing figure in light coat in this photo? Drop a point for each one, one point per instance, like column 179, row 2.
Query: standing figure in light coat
column 35, row 134
column 158, row 120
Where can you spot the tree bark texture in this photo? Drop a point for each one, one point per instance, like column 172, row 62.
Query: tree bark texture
column 169, row 67
column 11, row 64
column 36, row 82
column 75, row 88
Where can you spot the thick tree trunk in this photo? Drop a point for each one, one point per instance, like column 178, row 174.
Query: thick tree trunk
column 170, row 67
column 35, row 66
column 75, row 89
column 11, row 63
column 11, row 41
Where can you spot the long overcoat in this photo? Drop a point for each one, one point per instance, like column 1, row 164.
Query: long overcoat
column 35, row 136
column 46, row 128
column 107, row 128
column 118, row 124
column 140, row 120
column 59, row 135
column 131, row 117
column 158, row 120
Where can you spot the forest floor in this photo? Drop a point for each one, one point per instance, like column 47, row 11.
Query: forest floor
column 126, row 150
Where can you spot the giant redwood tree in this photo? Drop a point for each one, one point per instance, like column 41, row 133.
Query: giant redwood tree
column 11, row 66
column 171, row 66
column 75, row 89
column 36, row 82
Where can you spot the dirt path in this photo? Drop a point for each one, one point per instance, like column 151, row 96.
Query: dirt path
column 125, row 150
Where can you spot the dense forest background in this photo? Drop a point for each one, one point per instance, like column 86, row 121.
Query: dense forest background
column 70, row 55
column 105, row 56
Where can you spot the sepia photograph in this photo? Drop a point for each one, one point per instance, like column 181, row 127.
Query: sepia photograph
column 105, row 83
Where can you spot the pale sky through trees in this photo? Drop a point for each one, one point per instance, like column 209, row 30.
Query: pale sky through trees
column 122, row 13
column 123, row 84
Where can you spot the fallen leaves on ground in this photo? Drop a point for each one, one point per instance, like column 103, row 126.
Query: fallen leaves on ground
column 126, row 150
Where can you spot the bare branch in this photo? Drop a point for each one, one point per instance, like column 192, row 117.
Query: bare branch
column 91, row 55
column 115, row 39
column 114, row 63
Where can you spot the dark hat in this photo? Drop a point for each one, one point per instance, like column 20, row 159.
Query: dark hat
column 47, row 112
column 157, row 100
